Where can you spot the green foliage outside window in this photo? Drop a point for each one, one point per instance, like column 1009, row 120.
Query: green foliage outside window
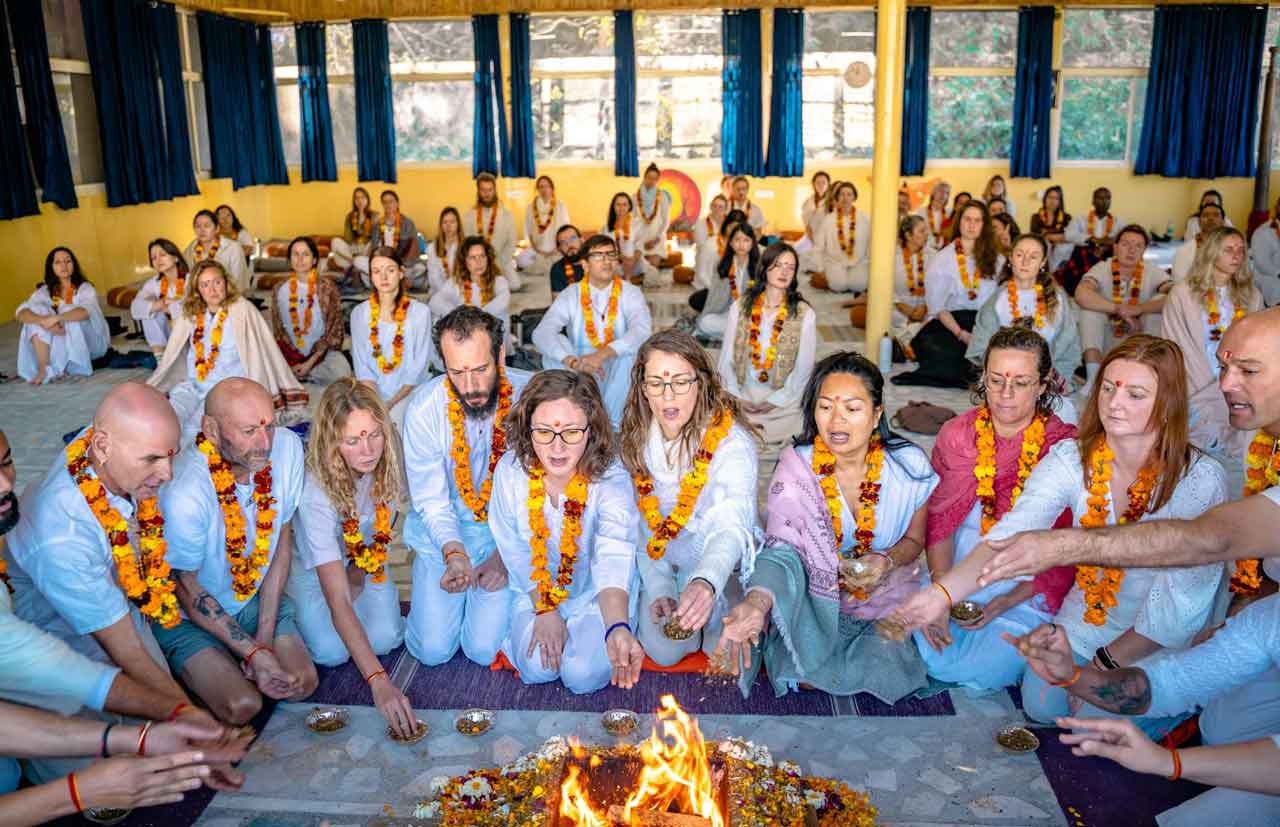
column 970, row 117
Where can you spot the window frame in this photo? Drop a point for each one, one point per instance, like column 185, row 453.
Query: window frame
column 949, row 71
column 837, row 76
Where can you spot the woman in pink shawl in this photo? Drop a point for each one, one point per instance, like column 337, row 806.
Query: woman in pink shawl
column 845, row 534
column 1013, row 395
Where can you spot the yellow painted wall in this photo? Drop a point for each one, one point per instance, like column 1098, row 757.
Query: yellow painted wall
column 111, row 243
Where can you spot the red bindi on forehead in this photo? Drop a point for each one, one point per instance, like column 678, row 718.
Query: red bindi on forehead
column 1226, row 356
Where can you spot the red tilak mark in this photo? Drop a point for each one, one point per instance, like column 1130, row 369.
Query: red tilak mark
column 1226, row 356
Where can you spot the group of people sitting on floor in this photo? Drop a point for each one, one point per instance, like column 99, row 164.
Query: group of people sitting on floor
column 602, row 511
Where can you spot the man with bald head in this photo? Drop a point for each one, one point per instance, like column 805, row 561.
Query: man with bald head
column 228, row 508
column 64, row 579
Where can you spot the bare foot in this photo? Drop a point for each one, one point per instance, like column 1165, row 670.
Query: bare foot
column 39, row 378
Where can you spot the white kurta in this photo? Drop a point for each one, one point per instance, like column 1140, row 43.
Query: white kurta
column 903, row 330
column 1193, row 226
column 721, row 293
column 945, row 291
column 317, row 537
column 448, row 294
column 845, row 273
column 72, row 352
column 542, row 251
column 606, row 560
column 755, row 391
column 1167, row 605
column 627, row 235
column 312, row 333
column 1096, row 329
column 563, row 332
column 439, row 268
column 755, row 215
column 475, row 221
column 194, row 524
column 720, row 536
column 156, row 324
column 414, row 367
column 1264, row 260
column 653, row 233
column 187, row 397
column 1183, row 259
column 934, row 222
column 230, row 255
column 707, row 244
column 1077, row 232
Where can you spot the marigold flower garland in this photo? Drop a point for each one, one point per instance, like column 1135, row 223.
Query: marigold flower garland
column 1262, row 471
column 915, row 276
column 824, row 467
column 622, row 231
column 1215, row 317
column 649, row 216
column 67, row 296
column 846, row 242
column 493, row 219
column 1093, row 223
column 397, row 343
column 486, row 292
column 589, row 313
column 666, row 529
column 460, row 452
column 551, row 595
column 299, row 333
column 4, row 577
column 371, row 558
column 733, row 278
column 935, row 230
column 985, row 468
column 1042, row 307
column 203, row 366
column 244, row 573
column 962, row 266
column 1102, row 585
column 362, row 228
column 384, row 227
column 763, row 366
column 213, row 250
column 537, row 215
column 148, row 587
column 179, row 286
column 1117, row 295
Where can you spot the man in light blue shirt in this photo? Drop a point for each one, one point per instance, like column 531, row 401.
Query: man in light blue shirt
column 460, row 597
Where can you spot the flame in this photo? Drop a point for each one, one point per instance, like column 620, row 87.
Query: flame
column 676, row 771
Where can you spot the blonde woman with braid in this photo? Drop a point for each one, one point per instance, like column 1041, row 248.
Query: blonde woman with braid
column 347, row 607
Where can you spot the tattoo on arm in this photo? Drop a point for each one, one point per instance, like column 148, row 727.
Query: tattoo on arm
column 1124, row 691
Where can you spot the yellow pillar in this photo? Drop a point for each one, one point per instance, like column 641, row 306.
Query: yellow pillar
column 891, row 24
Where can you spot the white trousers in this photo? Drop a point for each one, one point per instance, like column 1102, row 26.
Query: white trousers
column 377, row 607
column 584, row 664
column 844, row 277
column 440, row 622
column 664, row 651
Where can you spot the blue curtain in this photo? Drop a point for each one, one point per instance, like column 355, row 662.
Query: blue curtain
column 490, row 105
column 1033, row 94
column 626, row 149
column 786, row 115
column 316, row 124
column 1202, row 92
column 375, row 115
column 517, row 159
column 915, row 92
column 240, row 97
column 45, row 138
column 17, row 185
column 168, row 51
column 741, row 141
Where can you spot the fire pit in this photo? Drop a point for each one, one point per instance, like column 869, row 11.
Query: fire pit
column 672, row 779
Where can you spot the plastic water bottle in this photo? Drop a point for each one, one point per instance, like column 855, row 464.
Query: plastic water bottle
column 886, row 354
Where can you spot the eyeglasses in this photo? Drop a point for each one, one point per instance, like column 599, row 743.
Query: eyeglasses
column 610, row 256
column 1022, row 384
column 569, row 436
column 680, row 385
column 567, row 240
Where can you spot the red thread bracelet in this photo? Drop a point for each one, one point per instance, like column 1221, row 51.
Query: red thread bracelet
column 382, row 672
column 1071, row 681
column 75, row 793
column 249, row 657
column 178, row 710
column 142, row 737
column 1177, row 765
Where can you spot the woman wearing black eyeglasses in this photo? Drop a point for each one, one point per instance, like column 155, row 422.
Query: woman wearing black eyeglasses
column 692, row 457
column 563, row 519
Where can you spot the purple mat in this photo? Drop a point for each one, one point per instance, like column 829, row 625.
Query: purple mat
column 1104, row 793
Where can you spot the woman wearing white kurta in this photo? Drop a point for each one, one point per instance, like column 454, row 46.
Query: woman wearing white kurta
column 346, row 606
column 597, row 325
column 490, row 219
column 230, row 228
column 220, row 334
column 442, row 252
column 1140, row 466
column 936, row 215
column 208, row 245
column 812, row 213
column 676, row 410
column 844, row 241
column 625, row 228
column 307, row 318
column 159, row 300
column 63, row 329
column 997, row 188
column 357, row 231
column 543, row 218
column 399, row 320
column 957, row 283
column 653, row 211
column 708, row 241
column 572, row 577
column 475, row 280
column 1219, row 289
column 769, row 389
column 733, row 275
column 1264, row 258
column 909, row 268
column 1193, row 228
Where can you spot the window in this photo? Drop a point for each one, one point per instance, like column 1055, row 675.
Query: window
column 73, row 89
column 679, row 90
column 1105, row 55
column 971, row 58
column 839, row 84
column 340, row 69
column 193, row 85
column 571, row 79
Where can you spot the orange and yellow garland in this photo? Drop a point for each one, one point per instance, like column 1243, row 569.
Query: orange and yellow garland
column 1215, row 317
column 460, row 452
column 551, row 595
column 824, row 467
column 370, row 558
column 493, row 219
column 666, row 529
column 962, row 266
column 1093, row 223
column 622, row 231
column 733, row 278
column 764, row 365
column 397, row 343
column 657, row 201
column 213, row 250
column 150, row 588
column 245, row 574
column 1262, row 471
column 915, row 276
column 1042, row 308
column 589, row 313
column 383, row 227
column 486, row 292
column 1117, row 295
column 299, row 333
column 67, row 296
column 1102, row 585
column 180, row 285
column 985, row 468
column 203, row 366
column 847, row 242
column 537, row 215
